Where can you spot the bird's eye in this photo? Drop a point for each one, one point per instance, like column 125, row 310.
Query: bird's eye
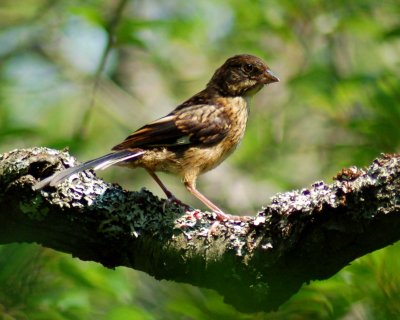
column 248, row 67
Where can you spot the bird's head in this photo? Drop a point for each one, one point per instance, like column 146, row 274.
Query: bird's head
column 242, row 75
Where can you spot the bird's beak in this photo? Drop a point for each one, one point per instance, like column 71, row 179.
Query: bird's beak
column 269, row 77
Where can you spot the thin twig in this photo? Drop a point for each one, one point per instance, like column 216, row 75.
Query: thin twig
column 115, row 18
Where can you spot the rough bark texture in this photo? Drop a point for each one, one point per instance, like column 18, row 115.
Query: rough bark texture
column 301, row 236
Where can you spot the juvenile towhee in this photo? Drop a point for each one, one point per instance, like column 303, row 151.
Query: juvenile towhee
column 195, row 137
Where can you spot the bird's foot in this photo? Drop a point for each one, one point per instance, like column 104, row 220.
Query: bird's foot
column 172, row 199
column 221, row 216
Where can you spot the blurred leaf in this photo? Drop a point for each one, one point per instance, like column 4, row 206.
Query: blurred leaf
column 120, row 313
column 392, row 34
column 90, row 13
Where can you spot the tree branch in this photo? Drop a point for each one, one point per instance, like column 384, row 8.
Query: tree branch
column 257, row 265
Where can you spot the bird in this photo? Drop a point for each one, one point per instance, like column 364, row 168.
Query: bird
column 195, row 137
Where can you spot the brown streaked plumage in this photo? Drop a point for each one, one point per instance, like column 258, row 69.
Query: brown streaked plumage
column 195, row 137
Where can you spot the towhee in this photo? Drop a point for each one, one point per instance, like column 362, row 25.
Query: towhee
column 195, row 137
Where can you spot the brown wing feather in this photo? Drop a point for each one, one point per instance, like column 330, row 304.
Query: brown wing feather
column 196, row 125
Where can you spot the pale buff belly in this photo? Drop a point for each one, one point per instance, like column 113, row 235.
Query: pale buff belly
column 193, row 161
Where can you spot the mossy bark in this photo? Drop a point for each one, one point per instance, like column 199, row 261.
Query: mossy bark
column 256, row 265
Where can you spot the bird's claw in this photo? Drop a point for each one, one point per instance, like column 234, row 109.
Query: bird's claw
column 172, row 199
column 221, row 216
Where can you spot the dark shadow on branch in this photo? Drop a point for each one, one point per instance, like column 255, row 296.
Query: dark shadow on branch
column 301, row 236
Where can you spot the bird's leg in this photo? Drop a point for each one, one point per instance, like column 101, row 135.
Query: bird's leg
column 221, row 216
column 169, row 194
column 162, row 186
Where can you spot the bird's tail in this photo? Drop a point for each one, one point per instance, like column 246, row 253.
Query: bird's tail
column 100, row 163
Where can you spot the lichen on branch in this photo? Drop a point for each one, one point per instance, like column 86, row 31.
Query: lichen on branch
column 256, row 265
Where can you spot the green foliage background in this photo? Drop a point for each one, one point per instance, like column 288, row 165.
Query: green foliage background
column 337, row 105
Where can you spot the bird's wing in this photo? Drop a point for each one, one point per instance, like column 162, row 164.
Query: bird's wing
column 192, row 125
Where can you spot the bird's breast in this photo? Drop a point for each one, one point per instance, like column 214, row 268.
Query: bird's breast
column 238, row 113
column 237, row 110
